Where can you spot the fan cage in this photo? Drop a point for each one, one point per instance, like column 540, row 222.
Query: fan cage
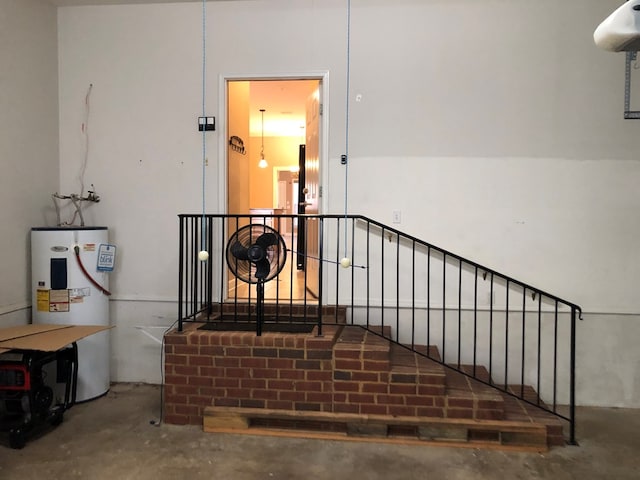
column 247, row 236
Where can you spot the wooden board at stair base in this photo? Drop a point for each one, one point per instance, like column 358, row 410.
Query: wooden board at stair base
column 223, row 419
column 519, row 436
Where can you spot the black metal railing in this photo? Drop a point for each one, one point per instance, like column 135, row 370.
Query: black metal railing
column 486, row 325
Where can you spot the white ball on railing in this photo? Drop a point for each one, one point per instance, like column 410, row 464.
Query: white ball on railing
column 345, row 262
column 203, row 255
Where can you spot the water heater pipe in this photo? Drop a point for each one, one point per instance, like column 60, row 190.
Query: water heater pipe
column 86, row 274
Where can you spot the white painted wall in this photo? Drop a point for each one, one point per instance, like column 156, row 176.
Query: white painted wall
column 499, row 123
column 28, row 142
column 144, row 62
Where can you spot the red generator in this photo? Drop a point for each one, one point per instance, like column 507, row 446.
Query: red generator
column 36, row 388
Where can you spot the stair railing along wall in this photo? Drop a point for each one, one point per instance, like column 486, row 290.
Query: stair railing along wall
column 413, row 293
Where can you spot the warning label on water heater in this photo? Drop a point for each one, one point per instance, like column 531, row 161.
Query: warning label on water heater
column 76, row 295
column 53, row 300
column 60, row 300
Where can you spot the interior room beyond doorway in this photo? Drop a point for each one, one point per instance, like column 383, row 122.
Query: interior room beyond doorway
column 267, row 120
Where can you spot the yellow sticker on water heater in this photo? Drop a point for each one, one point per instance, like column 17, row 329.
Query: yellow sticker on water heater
column 42, row 300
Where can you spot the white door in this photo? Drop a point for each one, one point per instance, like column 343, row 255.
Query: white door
column 312, row 192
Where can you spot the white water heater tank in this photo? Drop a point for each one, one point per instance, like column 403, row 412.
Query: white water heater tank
column 64, row 294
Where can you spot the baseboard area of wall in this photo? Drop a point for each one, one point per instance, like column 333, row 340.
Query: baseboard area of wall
column 16, row 314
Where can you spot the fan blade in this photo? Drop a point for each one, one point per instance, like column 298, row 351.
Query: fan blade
column 267, row 239
column 262, row 269
column 240, row 252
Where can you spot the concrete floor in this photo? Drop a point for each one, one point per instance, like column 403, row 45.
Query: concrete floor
column 111, row 438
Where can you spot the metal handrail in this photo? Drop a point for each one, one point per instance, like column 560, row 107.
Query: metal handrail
column 372, row 296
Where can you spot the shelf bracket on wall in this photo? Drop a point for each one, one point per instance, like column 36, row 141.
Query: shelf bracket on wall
column 629, row 114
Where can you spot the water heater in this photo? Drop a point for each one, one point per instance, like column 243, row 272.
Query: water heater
column 70, row 286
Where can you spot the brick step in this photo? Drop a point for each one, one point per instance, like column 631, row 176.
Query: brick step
column 460, row 396
column 521, row 436
column 385, row 331
column 403, row 356
column 520, row 411
column 409, row 368
column 466, row 398
column 462, row 390
column 345, row 371
column 359, row 349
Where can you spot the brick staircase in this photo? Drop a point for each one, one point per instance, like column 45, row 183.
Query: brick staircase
column 349, row 382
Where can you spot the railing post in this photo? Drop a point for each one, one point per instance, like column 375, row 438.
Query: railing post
column 180, row 271
column 209, row 265
column 572, row 384
column 320, row 270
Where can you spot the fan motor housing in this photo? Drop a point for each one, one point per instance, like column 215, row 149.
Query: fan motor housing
column 256, row 253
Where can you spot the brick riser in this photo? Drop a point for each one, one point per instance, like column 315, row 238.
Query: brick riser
column 347, row 371
column 240, row 369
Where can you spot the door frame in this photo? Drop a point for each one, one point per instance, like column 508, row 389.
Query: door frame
column 323, row 143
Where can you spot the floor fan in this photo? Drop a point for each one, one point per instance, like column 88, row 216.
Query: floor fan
column 256, row 254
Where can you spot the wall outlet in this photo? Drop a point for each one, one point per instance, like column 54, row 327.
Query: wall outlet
column 396, row 216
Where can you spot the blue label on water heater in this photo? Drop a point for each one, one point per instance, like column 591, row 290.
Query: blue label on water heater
column 106, row 257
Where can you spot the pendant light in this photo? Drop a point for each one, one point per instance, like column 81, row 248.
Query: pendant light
column 262, row 163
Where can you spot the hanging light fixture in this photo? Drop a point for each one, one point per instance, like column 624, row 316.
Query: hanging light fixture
column 262, row 163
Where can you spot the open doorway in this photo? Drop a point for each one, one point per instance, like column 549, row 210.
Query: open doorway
column 278, row 121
